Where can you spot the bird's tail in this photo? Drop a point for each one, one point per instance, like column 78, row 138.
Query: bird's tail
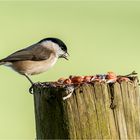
column 1, row 62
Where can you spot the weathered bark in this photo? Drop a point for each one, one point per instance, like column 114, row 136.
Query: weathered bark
column 94, row 111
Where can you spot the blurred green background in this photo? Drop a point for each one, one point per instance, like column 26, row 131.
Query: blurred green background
column 101, row 36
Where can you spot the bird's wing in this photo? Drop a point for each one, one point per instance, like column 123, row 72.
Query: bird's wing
column 34, row 53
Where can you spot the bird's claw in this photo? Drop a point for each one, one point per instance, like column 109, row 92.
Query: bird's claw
column 31, row 89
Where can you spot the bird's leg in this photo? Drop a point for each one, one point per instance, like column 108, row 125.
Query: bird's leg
column 29, row 79
column 32, row 84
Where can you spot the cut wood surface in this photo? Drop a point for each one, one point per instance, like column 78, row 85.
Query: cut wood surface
column 95, row 110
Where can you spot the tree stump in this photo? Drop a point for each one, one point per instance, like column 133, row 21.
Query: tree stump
column 95, row 110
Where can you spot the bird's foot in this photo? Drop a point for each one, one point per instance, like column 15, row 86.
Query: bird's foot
column 31, row 89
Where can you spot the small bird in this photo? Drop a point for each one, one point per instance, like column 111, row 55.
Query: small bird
column 36, row 58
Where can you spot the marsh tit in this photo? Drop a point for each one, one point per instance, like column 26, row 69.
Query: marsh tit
column 36, row 58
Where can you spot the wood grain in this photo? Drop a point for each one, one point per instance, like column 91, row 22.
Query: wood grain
column 87, row 113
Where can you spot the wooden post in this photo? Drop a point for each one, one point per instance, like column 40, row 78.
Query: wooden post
column 94, row 111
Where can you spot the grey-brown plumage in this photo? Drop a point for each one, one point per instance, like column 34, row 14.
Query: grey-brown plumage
column 36, row 58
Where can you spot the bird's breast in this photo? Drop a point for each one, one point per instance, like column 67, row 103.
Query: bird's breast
column 33, row 67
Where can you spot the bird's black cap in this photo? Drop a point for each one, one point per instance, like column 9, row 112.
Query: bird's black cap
column 57, row 41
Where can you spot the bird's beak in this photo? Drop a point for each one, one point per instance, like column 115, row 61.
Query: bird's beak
column 65, row 56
